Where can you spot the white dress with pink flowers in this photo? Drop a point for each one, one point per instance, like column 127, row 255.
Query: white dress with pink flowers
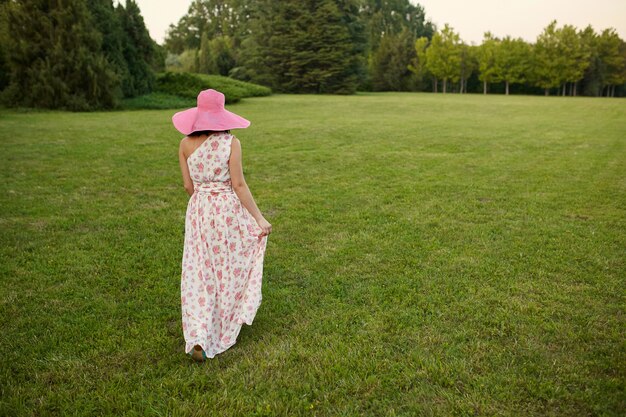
column 222, row 264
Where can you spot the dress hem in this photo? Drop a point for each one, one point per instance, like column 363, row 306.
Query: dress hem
column 240, row 321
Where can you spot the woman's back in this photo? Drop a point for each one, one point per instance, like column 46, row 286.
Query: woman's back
column 208, row 163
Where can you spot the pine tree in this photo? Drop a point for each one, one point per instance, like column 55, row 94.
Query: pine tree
column 57, row 59
column 253, row 60
column 389, row 67
column 310, row 46
column 325, row 53
column 138, row 49
column 107, row 22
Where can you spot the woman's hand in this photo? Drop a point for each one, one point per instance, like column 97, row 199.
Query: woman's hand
column 265, row 225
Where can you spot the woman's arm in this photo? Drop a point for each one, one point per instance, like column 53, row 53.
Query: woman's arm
column 241, row 188
column 184, row 169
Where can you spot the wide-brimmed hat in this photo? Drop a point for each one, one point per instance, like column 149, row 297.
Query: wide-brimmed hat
column 209, row 114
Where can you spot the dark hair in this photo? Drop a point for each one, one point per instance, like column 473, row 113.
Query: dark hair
column 206, row 132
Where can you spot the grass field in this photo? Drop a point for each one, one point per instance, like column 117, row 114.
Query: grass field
column 431, row 255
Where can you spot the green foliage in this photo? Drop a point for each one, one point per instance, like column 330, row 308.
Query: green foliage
column 443, row 57
column 210, row 18
column 5, row 69
column 139, row 51
column 254, row 62
column 547, row 65
column 159, row 55
column 388, row 67
column 418, row 63
column 486, row 55
column 611, row 49
column 216, row 56
column 574, row 55
column 188, row 85
column 324, row 58
column 594, row 77
column 187, row 61
column 157, row 100
column 76, row 55
column 512, row 61
column 469, row 63
column 106, row 20
column 392, row 17
column 57, row 59
column 309, row 47
column 301, row 46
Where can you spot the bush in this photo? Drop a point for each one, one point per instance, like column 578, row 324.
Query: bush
column 157, row 101
column 188, row 85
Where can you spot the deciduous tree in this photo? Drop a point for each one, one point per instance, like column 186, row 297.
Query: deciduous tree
column 443, row 57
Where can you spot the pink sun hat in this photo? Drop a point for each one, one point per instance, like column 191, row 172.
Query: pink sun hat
column 210, row 114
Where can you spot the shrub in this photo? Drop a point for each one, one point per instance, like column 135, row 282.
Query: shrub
column 188, row 85
column 157, row 101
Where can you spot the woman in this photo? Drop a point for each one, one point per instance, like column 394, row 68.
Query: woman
column 225, row 232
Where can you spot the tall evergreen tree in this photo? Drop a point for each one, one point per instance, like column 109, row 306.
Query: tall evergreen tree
column 255, row 62
column 311, row 46
column 107, row 22
column 57, row 60
column 389, row 70
column 139, row 51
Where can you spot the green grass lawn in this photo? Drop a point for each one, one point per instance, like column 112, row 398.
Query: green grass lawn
column 431, row 255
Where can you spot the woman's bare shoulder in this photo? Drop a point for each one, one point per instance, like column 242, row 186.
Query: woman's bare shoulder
column 185, row 145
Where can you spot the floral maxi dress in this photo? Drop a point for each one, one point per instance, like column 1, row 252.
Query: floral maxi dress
column 222, row 263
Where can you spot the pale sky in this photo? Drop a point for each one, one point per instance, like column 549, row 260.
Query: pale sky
column 470, row 18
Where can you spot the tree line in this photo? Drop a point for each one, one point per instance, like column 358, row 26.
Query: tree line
column 75, row 54
column 561, row 60
column 88, row 54
column 340, row 46
column 300, row 46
